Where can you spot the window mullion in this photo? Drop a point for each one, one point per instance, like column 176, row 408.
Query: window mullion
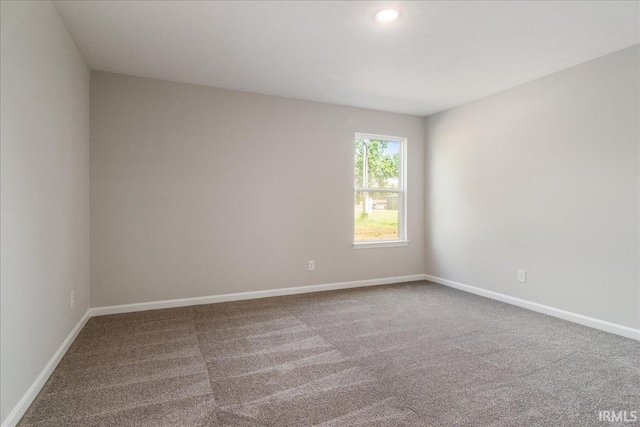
column 378, row 190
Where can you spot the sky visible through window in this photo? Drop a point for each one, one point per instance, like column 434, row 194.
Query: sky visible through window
column 393, row 147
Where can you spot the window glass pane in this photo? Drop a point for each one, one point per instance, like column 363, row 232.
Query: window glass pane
column 359, row 170
column 377, row 163
column 376, row 215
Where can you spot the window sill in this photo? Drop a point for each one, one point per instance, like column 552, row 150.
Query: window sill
column 380, row 244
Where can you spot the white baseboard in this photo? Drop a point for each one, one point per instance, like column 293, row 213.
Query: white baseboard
column 183, row 302
column 24, row 403
column 602, row 325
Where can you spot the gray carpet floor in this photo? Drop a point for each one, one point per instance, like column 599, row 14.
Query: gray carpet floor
column 411, row 354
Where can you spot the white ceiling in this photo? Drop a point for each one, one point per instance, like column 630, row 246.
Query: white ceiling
column 438, row 55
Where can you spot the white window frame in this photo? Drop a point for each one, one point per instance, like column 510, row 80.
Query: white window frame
column 401, row 190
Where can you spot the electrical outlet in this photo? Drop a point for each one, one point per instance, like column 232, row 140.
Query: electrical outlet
column 73, row 298
column 522, row 276
column 312, row 265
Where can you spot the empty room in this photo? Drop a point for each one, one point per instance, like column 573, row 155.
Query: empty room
column 320, row 213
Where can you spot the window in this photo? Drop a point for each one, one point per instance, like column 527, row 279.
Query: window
column 379, row 191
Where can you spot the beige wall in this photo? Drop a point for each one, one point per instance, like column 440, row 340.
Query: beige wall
column 45, row 192
column 543, row 177
column 200, row 191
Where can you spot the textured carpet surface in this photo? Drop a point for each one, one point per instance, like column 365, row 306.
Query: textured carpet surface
column 411, row 354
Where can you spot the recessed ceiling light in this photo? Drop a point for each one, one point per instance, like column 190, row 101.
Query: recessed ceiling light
column 386, row 15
